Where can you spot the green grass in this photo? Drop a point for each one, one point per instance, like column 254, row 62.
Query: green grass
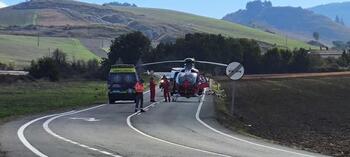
column 311, row 113
column 28, row 98
column 210, row 25
column 25, row 98
column 22, row 49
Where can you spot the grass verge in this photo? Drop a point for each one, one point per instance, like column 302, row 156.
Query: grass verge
column 29, row 98
column 313, row 113
column 19, row 95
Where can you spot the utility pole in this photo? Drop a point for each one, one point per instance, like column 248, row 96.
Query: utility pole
column 287, row 42
column 102, row 43
column 38, row 40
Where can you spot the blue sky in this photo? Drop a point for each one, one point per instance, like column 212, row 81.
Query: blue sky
column 211, row 8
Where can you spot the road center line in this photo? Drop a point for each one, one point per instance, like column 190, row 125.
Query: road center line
column 239, row 139
column 128, row 121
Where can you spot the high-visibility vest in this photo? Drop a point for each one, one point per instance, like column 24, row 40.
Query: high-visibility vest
column 139, row 87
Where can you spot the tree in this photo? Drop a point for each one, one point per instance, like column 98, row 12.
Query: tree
column 340, row 45
column 316, row 36
column 129, row 48
column 59, row 57
column 44, row 68
column 348, row 43
column 251, row 55
column 272, row 61
column 342, row 22
column 300, row 61
column 286, row 57
column 337, row 20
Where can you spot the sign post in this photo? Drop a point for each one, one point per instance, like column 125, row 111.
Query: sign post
column 235, row 72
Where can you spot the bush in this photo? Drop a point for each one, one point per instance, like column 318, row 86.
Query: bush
column 10, row 66
column 57, row 66
column 45, row 67
column 3, row 66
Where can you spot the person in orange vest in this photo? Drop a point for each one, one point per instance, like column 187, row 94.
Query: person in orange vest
column 139, row 88
column 152, row 86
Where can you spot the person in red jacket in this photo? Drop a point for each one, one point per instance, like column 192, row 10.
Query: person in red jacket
column 139, row 88
column 152, row 86
column 166, row 89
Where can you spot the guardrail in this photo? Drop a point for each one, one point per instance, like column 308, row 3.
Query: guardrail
column 12, row 72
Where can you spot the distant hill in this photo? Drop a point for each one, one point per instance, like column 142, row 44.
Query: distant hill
column 68, row 18
column 294, row 22
column 332, row 10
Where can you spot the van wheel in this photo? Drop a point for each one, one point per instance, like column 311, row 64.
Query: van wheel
column 111, row 101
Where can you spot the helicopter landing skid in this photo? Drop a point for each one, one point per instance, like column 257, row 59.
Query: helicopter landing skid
column 174, row 97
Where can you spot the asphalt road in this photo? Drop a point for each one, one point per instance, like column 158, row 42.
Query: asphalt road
column 184, row 128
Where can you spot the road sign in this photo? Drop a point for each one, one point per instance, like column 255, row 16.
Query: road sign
column 235, row 71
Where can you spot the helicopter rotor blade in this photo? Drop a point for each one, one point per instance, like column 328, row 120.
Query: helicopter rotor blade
column 162, row 62
column 212, row 63
column 181, row 61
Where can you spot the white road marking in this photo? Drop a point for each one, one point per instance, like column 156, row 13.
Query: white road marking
column 20, row 134
column 128, row 121
column 22, row 138
column 237, row 138
column 85, row 119
column 48, row 130
column 26, row 143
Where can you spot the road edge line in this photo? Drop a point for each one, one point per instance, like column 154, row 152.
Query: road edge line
column 23, row 139
column 239, row 139
column 48, row 130
column 27, row 144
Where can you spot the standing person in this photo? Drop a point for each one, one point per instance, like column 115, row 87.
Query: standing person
column 152, row 86
column 166, row 89
column 139, row 88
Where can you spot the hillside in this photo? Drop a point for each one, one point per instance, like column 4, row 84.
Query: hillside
column 82, row 20
column 295, row 22
column 334, row 9
column 22, row 49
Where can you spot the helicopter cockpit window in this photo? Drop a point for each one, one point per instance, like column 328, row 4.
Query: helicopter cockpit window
column 192, row 78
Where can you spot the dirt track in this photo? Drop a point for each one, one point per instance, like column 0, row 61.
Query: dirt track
column 310, row 111
column 294, row 75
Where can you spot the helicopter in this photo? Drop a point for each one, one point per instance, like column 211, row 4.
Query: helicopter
column 188, row 82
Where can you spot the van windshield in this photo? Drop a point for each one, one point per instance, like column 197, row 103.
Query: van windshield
column 122, row 78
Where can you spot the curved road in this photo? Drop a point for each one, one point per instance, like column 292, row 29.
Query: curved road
column 184, row 128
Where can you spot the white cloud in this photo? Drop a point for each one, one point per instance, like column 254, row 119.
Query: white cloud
column 2, row 4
